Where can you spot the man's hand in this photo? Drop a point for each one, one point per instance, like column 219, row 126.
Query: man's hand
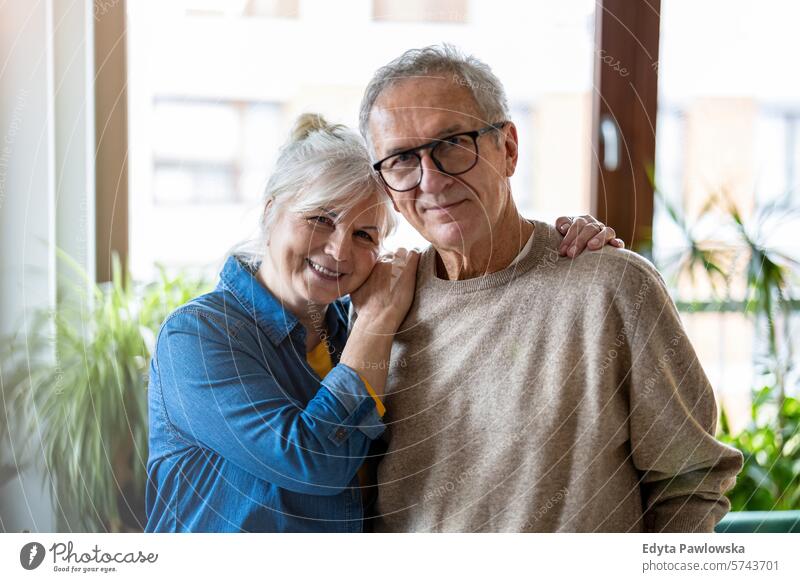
column 585, row 231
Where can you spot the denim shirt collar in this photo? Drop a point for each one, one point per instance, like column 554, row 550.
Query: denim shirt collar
column 265, row 309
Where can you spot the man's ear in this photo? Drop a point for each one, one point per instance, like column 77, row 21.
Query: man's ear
column 389, row 193
column 511, row 146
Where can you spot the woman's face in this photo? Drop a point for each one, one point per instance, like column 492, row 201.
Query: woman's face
column 320, row 256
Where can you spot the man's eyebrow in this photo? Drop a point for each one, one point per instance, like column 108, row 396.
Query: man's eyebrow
column 450, row 130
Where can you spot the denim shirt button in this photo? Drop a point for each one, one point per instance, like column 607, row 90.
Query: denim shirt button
column 341, row 434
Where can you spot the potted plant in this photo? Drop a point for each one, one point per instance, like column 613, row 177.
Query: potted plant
column 737, row 252
column 78, row 383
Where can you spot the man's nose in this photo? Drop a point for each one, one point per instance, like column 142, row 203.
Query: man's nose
column 339, row 245
column 433, row 179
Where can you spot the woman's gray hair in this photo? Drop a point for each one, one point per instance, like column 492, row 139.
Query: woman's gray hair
column 465, row 70
column 321, row 165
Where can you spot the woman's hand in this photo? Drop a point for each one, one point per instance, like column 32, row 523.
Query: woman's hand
column 381, row 303
column 585, row 231
column 385, row 297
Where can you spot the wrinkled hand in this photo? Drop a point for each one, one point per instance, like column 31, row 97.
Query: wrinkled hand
column 386, row 295
column 585, row 231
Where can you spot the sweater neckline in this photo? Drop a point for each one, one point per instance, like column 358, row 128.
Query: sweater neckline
column 542, row 234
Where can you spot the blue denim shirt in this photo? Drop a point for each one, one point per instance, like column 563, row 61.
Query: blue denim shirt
column 244, row 436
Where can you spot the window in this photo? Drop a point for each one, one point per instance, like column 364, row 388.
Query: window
column 213, row 94
column 260, row 8
column 420, row 10
column 211, row 152
column 727, row 124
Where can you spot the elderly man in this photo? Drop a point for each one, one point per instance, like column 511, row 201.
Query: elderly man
column 528, row 392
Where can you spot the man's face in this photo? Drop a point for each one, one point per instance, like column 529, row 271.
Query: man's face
column 451, row 212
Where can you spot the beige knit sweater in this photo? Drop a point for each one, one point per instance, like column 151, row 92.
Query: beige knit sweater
column 555, row 395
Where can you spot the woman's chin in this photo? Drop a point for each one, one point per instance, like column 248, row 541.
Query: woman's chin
column 325, row 293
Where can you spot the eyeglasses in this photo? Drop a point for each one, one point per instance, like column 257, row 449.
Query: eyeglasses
column 453, row 155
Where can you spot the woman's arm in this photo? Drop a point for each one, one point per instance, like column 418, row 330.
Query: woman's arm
column 218, row 395
column 382, row 303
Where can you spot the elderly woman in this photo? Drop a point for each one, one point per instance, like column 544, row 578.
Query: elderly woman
column 263, row 398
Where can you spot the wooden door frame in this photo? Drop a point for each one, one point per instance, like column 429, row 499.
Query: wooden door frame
column 625, row 103
column 111, row 136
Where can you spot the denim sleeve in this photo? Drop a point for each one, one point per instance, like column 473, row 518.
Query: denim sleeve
column 219, row 396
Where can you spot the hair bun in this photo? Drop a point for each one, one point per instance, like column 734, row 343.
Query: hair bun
column 308, row 123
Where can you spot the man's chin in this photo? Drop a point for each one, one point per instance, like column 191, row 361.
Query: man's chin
column 453, row 235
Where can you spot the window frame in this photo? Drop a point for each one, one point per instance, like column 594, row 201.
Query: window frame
column 625, row 104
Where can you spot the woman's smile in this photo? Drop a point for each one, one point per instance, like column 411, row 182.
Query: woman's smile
column 323, row 273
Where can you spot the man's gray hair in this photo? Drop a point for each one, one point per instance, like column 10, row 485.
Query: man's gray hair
column 447, row 60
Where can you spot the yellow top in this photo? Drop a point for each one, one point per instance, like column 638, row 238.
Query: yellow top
column 320, row 361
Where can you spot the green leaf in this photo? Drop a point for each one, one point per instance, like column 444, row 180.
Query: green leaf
column 87, row 399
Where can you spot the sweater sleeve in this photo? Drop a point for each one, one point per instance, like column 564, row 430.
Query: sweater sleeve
column 685, row 471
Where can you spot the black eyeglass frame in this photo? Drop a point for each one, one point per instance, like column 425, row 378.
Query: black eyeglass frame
column 475, row 134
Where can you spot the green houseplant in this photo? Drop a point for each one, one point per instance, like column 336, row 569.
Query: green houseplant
column 9, row 467
column 770, row 478
column 77, row 382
